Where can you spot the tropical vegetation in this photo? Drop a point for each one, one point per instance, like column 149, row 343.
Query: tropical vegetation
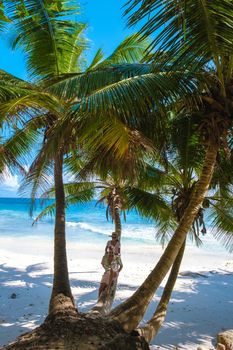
column 121, row 116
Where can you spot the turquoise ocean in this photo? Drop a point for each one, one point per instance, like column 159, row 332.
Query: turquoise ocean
column 85, row 223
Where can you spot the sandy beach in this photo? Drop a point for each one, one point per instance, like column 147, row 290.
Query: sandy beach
column 201, row 305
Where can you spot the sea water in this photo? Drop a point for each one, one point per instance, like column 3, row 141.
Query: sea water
column 85, row 223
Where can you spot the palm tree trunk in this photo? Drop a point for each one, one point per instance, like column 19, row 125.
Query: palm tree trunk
column 130, row 313
column 117, row 221
column 150, row 330
column 104, row 303
column 61, row 293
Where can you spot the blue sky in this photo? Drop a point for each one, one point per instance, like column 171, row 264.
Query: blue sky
column 107, row 28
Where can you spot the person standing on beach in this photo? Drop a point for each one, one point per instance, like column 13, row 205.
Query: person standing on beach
column 114, row 245
column 113, row 265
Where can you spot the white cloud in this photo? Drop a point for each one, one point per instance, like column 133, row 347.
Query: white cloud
column 10, row 181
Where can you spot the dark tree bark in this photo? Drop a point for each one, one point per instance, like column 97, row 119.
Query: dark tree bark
column 61, row 294
column 117, row 220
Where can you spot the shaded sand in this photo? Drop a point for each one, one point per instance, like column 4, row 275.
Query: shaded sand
column 201, row 305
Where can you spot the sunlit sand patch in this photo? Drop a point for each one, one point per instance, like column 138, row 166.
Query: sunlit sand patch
column 17, row 283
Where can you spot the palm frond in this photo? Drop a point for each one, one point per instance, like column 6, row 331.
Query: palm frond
column 139, row 94
column 48, row 211
column 189, row 151
column 21, row 143
column 130, row 50
column 78, row 85
column 112, row 145
column 74, row 193
column 221, row 218
column 99, row 55
column 149, row 205
column 200, row 26
column 82, row 191
column 30, row 104
column 151, row 177
column 40, row 175
column 48, row 39
column 223, row 177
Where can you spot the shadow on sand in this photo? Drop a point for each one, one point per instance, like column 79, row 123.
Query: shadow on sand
column 197, row 310
column 191, row 319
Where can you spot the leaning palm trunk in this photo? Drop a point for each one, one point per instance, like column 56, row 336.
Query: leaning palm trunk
column 130, row 313
column 61, row 294
column 150, row 330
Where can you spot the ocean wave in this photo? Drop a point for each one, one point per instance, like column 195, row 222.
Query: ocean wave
column 143, row 232
column 140, row 232
column 87, row 227
column 71, row 224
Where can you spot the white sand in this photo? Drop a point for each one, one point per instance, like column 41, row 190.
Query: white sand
column 201, row 305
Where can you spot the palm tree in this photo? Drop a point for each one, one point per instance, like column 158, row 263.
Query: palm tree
column 44, row 35
column 221, row 222
column 175, row 186
column 191, row 38
column 54, row 47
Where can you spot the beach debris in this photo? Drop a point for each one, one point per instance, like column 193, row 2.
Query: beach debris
column 13, row 296
column 225, row 339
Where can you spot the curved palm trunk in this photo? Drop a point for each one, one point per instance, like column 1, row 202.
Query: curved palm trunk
column 61, row 297
column 130, row 313
column 150, row 330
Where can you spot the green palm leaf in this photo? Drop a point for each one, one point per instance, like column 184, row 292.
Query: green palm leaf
column 221, row 218
column 79, row 85
column 99, row 55
column 48, row 211
column 195, row 28
column 23, row 140
column 45, row 35
column 83, row 191
column 130, row 50
column 138, row 94
column 150, row 205
column 189, row 150
column 75, row 193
